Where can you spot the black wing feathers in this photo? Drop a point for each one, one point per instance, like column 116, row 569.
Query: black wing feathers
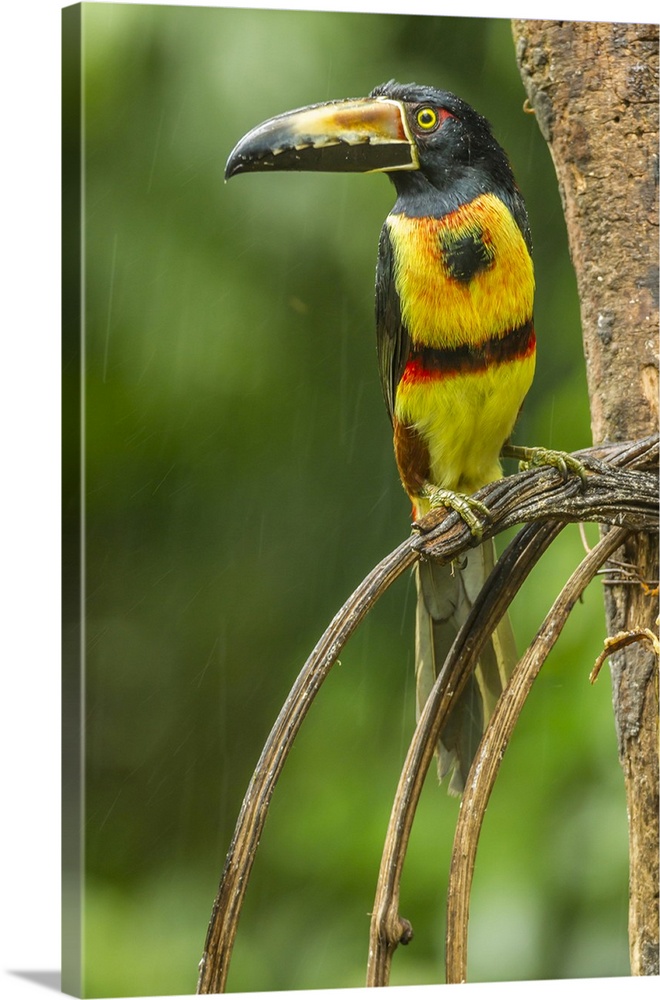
column 393, row 340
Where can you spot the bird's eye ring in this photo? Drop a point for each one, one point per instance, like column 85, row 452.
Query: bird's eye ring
column 426, row 118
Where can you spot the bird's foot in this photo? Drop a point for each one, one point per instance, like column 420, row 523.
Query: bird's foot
column 471, row 511
column 533, row 458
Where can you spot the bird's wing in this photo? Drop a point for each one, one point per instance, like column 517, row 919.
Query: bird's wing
column 393, row 339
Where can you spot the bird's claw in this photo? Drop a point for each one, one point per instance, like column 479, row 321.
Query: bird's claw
column 465, row 506
column 565, row 464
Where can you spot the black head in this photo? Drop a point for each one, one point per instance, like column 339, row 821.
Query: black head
column 459, row 158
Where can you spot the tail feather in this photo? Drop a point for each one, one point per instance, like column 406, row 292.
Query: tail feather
column 445, row 595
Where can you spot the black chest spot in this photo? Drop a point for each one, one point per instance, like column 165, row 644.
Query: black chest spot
column 465, row 256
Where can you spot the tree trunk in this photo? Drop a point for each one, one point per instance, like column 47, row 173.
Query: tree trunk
column 594, row 89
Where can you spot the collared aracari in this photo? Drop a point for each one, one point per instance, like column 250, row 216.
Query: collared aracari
column 455, row 333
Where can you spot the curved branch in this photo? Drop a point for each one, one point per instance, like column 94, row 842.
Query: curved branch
column 388, row 929
column 619, row 493
column 214, row 965
column 486, row 764
column 445, row 540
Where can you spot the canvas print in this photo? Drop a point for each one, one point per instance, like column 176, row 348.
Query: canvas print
column 316, row 276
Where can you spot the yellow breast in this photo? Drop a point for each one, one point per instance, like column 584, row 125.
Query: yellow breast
column 464, row 421
column 440, row 311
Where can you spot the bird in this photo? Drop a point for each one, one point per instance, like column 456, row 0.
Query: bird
column 456, row 343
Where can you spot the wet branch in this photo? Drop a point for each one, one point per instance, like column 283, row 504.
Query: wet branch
column 486, row 764
column 388, row 929
column 627, row 499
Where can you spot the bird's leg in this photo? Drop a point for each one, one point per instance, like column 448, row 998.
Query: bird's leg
column 469, row 510
column 533, row 458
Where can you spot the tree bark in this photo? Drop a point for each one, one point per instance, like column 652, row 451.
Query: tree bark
column 594, row 90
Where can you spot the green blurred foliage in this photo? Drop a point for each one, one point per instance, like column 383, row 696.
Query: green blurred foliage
column 239, row 485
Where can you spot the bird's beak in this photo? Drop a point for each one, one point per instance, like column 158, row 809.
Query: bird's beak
column 359, row 136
